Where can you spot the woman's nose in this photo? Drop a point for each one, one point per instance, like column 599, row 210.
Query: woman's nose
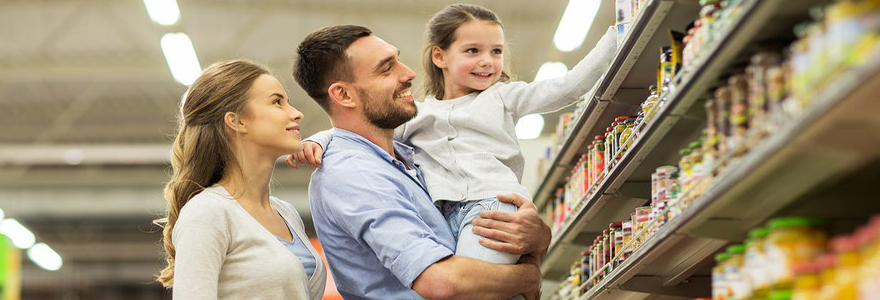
column 295, row 114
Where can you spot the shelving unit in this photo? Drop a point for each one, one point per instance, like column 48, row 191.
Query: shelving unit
column 789, row 173
column 624, row 86
column 822, row 157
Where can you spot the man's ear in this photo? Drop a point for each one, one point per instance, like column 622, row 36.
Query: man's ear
column 438, row 57
column 233, row 122
column 341, row 93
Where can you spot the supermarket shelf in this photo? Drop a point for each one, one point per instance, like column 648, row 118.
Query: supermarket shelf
column 791, row 173
column 627, row 185
column 623, row 87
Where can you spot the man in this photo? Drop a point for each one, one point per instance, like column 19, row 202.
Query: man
column 383, row 236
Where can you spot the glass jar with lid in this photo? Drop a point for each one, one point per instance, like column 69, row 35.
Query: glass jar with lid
column 627, row 136
column 609, row 148
column 722, row 105
column 619, row 126
column 649, row 107
column 737, row 286
column 756, row 262
column 739, row 113
column 806, row 282
column 758, row 97
column 684, row 167
column 792, row 240
column 719, row 284
column 599, row 158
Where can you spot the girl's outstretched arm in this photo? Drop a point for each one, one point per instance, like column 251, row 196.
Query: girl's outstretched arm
column 544, row 96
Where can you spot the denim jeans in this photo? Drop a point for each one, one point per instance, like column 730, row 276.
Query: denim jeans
column 460, row 216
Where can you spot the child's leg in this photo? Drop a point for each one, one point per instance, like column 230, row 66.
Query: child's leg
column 469, row 243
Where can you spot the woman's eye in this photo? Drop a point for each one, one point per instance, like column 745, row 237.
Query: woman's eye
column 276, row 102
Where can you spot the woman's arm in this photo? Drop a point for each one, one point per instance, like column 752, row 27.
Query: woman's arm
column 200, row 239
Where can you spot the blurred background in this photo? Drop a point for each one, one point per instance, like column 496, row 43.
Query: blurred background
column 89, row 98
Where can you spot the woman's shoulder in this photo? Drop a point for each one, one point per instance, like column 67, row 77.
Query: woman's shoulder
column 210, row 202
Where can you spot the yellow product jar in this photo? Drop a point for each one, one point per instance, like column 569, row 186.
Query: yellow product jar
column 719, row 284
column 756, row 263
column 792, row 241
column 827, row 273
column 806, row 282
column 846, row 249
column 737, row 286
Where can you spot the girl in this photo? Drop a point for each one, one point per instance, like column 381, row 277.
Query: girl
column 464, row 134
column 225, row 237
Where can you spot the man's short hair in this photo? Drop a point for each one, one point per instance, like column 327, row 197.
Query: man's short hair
column 321, row 60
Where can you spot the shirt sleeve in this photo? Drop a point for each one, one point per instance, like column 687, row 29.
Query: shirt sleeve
column 522, row 98
column 200, row 239
column 375, row 210
column 322, row 138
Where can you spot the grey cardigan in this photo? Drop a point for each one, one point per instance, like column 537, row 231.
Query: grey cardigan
column 223, row 253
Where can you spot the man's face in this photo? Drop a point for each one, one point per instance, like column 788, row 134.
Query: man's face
column 382, row 82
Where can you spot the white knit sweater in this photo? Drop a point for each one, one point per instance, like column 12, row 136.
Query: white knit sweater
column 224, row 253
column 467, row 147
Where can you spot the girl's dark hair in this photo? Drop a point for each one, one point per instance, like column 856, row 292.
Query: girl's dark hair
column 441, row 33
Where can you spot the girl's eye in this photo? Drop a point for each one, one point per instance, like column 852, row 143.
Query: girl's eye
column 496, row 51
column 276, row 102
column 471, row 50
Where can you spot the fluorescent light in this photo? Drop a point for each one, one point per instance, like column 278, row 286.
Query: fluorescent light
column 73, row 156
column 529, row 127
column 551, row 70
column 181, row 57
column 164, row 12
column 45, row 257
column 21, row 237
column 575, row 23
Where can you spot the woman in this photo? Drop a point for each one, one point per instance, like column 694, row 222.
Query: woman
column 225, row 237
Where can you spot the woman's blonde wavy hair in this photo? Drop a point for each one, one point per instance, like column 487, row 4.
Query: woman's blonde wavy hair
column 202, row 148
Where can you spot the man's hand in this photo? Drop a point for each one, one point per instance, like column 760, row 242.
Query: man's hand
column 311, row 154
column 520, row 232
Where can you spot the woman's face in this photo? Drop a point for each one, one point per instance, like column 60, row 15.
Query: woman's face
column 272, row 124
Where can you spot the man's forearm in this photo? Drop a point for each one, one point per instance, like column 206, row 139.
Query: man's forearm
column 472, row 279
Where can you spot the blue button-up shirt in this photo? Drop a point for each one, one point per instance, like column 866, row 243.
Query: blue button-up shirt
column 377, row 223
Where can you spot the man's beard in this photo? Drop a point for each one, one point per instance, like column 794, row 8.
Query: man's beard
column 386, row 116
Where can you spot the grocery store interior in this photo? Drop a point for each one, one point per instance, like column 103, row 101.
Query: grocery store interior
column 731, row 150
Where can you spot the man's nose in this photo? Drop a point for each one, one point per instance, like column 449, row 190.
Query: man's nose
column 407, row 74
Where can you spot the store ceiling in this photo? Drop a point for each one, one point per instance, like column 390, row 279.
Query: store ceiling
column 89, row 76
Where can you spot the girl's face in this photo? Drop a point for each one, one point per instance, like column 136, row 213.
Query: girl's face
column 271, row 123
column 474, row 60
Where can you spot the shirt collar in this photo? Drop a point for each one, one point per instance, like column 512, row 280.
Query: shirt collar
column 406, row 152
